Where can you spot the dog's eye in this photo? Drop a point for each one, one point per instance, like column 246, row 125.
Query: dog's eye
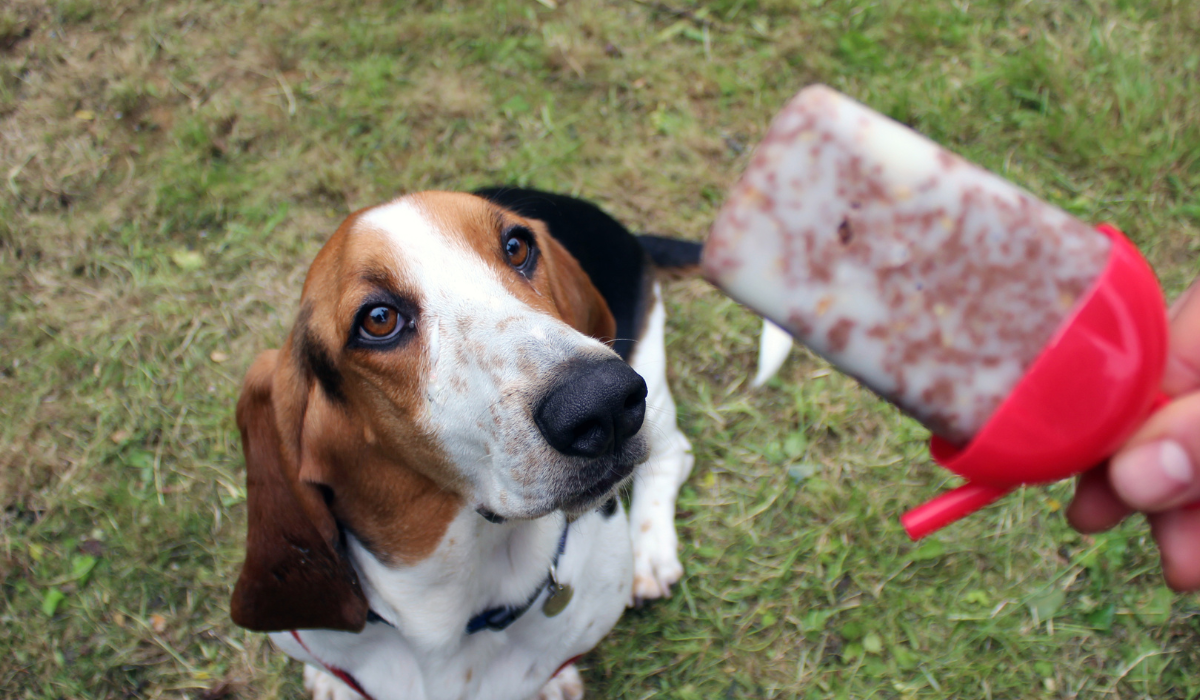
column 517, row 250
column 520, row 250
column 380, row 323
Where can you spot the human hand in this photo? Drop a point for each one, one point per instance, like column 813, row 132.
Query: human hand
column 1157, row 472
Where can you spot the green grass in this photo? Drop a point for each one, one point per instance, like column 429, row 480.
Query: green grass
column 170, row 168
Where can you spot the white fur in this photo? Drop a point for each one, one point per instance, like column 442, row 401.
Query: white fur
column 652, row 510
column 565, row 685
column 477, row 405
column 427, row 654
column 489, row 354
column 773, row 347
column 323, row 686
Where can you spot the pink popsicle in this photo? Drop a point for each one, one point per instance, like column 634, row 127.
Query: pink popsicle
column 932, row 281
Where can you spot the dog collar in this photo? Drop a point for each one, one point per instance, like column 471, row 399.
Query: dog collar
column 500, row 617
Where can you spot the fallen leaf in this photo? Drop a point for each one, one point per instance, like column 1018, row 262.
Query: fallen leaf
column 814, row 620
column 187, row 260
column 218, row 356
column 51, row 600
column 795, row 445
column 119, row 437
column 86, row 115
column 802, row 471
column 119, row 620
column 81, row 567
column 1156, row 610
column 158, row 623
column 977, row 598
column 1046, row 603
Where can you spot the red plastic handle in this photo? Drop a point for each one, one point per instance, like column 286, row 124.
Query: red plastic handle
column 1092, row 386
column 949, row 507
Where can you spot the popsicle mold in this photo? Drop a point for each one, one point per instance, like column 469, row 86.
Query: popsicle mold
column 1085, row 394
column 1029, row 343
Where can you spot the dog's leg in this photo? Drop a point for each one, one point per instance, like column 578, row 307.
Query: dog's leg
column 565, row 685
column 652, row 511
column 324, row 686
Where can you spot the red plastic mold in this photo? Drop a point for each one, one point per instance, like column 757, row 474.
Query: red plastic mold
column 1093, row 385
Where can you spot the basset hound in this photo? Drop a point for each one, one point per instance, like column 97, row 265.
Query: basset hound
column 434, row 456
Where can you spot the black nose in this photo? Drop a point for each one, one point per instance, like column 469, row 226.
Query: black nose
column 593, row 409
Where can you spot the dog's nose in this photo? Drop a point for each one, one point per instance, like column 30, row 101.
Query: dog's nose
column 593, row 409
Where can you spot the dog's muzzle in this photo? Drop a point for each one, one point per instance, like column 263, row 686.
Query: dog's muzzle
column 594, row 409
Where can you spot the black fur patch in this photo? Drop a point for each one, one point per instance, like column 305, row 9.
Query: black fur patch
column 671, row 252
column 315, row 360
column 609, row 508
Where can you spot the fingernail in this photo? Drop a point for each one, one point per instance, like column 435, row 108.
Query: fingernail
column 1150, row 476
column 1174, row 461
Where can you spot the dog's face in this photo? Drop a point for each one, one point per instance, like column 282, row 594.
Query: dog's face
column 444, row 322
column 446, row 355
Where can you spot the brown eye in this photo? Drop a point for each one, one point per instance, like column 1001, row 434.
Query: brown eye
column 380, row 323
column 517, row 250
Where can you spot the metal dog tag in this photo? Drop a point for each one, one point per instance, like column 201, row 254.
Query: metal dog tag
column 558, row 600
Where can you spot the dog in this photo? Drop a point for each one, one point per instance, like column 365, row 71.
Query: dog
column 434, row 455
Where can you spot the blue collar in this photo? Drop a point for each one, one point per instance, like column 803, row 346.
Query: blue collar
column 498, row 618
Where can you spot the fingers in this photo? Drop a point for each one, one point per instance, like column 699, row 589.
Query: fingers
column 1157, row 469
column 1178, row 535
column 1183, row 359
column 1095, row 507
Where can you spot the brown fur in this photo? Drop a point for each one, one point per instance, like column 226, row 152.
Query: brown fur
column 294, row 575
column 559, row 285
column 333, row 436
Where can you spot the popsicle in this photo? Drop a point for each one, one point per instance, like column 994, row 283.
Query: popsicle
column 935, row 283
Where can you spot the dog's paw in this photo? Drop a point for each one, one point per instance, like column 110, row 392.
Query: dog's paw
column 656, row 565
column 324, row 686
column 565, row 685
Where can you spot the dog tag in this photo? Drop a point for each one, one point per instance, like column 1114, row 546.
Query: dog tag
column 558, row 600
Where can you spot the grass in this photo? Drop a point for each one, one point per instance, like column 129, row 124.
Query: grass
column 170, row 168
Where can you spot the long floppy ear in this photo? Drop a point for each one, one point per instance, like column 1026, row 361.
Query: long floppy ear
column 577, row 299
column 294, row 576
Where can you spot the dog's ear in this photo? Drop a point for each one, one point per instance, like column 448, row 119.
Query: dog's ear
column 577, row 299
column 295, row 575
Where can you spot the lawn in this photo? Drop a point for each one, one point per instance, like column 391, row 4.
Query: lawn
column 170, row 168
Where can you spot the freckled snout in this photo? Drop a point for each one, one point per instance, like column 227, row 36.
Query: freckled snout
column 593, row 409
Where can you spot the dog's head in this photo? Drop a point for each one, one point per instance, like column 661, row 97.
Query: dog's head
column 447, row 354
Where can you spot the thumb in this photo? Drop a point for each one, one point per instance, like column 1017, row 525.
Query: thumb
column 1159, row 468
